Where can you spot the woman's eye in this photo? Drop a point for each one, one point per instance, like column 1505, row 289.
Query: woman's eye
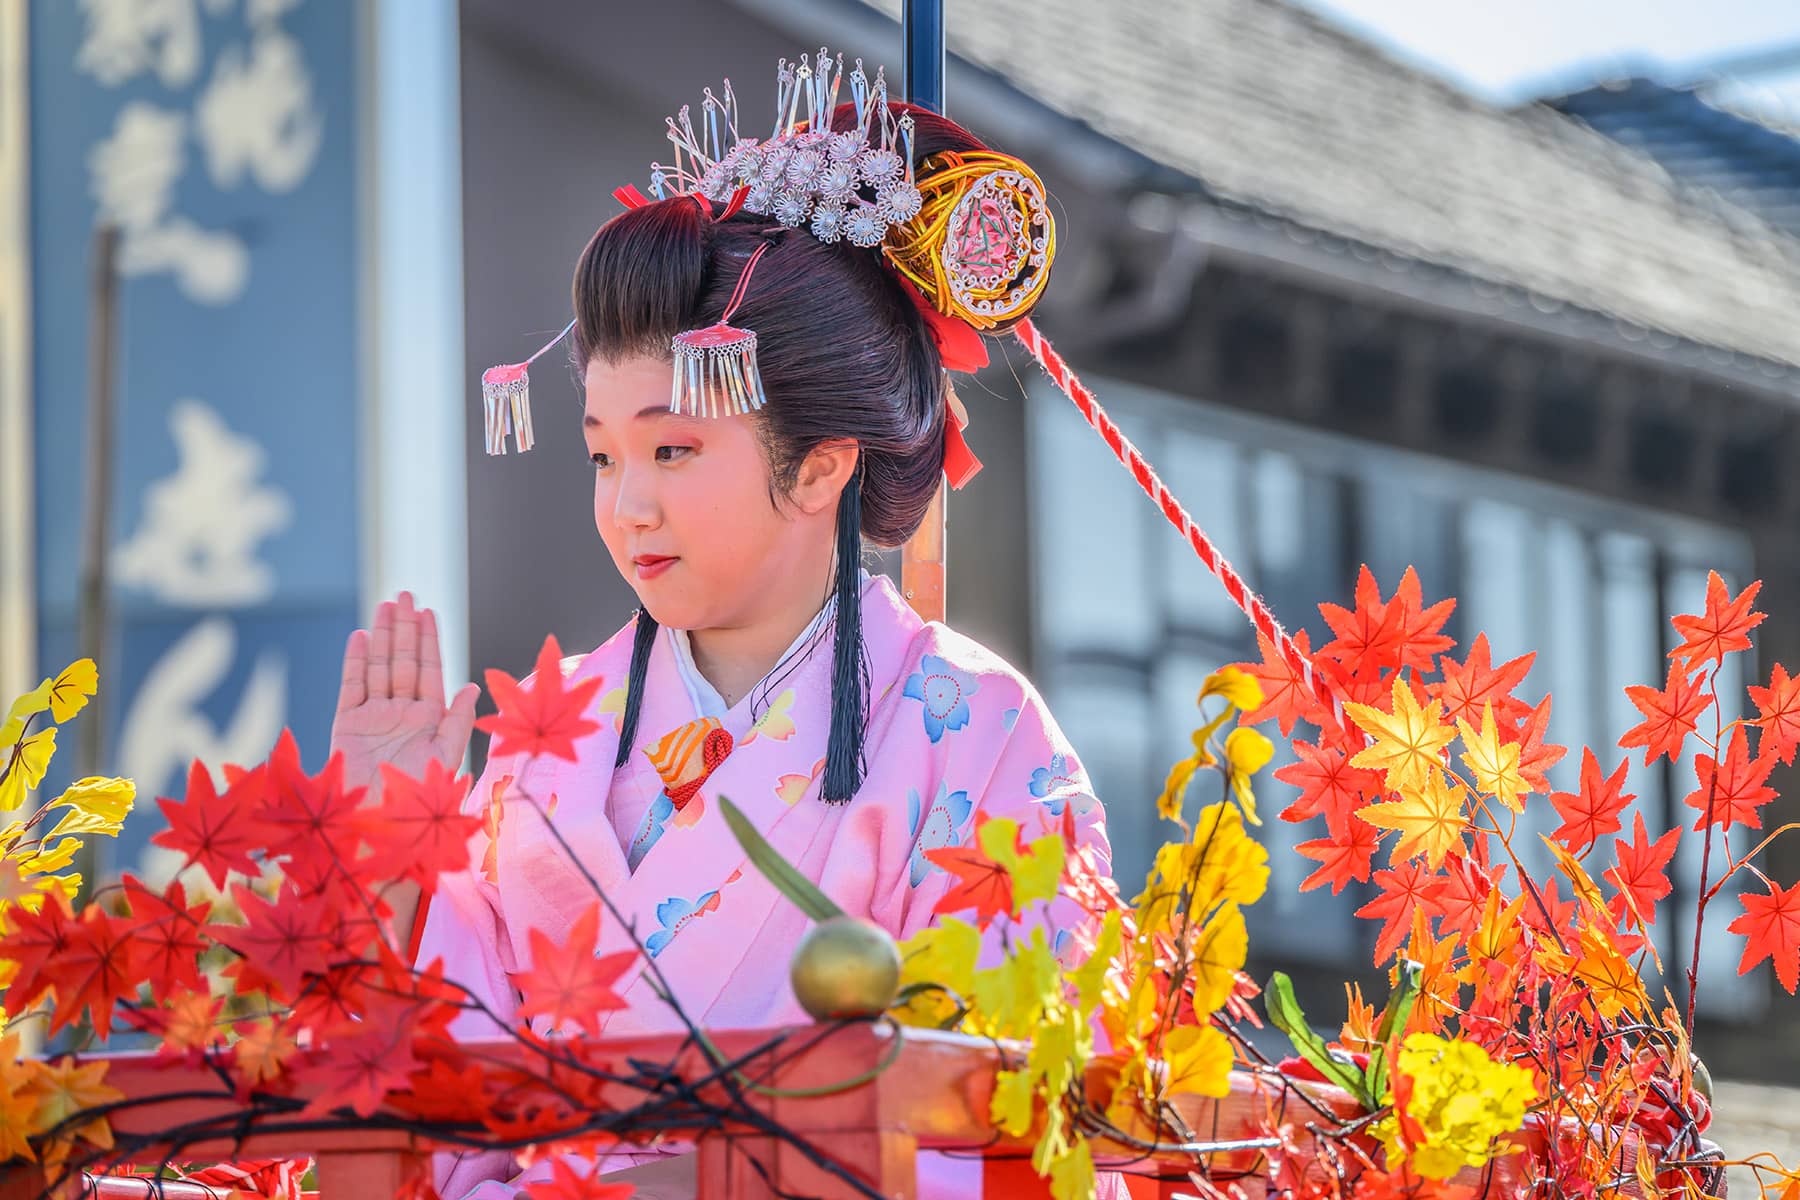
column 599, row 459
column 671, row 453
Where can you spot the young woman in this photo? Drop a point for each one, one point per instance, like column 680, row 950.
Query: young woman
column 765, row 664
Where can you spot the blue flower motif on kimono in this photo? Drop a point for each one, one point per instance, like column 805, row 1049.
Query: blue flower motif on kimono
column 1008, row 719
column 944, row 691
column 1058, row 777
column 936, row 827
column 674, row 914
column 649, row 830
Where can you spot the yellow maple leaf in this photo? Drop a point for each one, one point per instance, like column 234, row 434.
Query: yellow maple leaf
column 1495, row 767
column 1168, row 805
column 1585, row 889
column 1061, row 1042
column 29, row 760
column 1358, row 1032
column 1409, row 742
column 263, row 1051
column 1498, row 932
column 945, row 954
column 1010, row 1107
column 70, row 690
column 1239, row 688
column 1072, row 1172
column 1037, row 873
column 1430, row 819
column 1011, row 998
column 1219, row 954
column 1199, row 1060
column 1090, row 977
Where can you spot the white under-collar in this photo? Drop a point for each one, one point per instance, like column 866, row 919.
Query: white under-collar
column 702, row 694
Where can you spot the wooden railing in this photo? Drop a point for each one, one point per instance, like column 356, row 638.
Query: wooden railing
column 932, row 1095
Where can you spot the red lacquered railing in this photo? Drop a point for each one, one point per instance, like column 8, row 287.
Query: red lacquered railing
column 932, row 1095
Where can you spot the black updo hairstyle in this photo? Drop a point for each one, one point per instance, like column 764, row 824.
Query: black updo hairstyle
column 843, row 352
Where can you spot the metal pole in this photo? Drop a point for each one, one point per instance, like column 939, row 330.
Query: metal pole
column 924, row 570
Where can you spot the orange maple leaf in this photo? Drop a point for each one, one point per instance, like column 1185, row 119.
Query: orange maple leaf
column 573, row 981
column 420, row 824
column 1406, row 887
column 358, row 1072
column 1329, row 786
column 539, row 716
column 218, row 832
column 1474, row 682
column 100, row 964
column 1724, row 626
column 1642, row 873
column 1771, row 928
column 1735, row 787
column 1285, row 697
column 1593, row 812
column 1669, row 715
column 1778, row 713
column 566, row 1183
column 981, row 883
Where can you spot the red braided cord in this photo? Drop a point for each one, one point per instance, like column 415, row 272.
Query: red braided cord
column 1133, row 460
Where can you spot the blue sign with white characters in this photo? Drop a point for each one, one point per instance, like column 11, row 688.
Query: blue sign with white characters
column 219, row 137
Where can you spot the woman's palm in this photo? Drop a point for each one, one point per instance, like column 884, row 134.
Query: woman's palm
column 391, row 698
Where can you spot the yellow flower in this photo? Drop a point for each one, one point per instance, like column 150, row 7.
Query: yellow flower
column 70, row 691
column 1460, row 1101
column 1011, row 999
column 1219, row 955
column 1168, row 805
column 1010, row 1107
column 1072, row 1172
column 1090, row 977
column 35, row 701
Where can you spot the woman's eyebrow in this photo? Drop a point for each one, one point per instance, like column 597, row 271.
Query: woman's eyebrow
column 590, row 421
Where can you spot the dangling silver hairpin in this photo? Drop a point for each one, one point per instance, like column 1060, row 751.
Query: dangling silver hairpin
column 715, row 368
column 506, row 400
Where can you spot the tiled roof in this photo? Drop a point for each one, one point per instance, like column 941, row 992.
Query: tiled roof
column 1270, row 106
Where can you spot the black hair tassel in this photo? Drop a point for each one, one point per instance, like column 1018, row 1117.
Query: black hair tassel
column 844, row 766
column 642, row 641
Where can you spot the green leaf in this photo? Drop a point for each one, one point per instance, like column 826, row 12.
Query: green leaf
column 1393, row 1021
column 765, row 858
column 1286, row 1015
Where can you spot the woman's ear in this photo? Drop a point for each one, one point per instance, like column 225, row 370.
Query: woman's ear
column 823, row 474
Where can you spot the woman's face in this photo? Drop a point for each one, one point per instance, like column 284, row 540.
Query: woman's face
column 683, row 503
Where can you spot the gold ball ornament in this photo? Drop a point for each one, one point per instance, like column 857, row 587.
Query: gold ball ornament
column 1703, row 1081
column 845, row 967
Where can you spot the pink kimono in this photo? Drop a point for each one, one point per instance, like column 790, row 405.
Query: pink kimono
column 953, row 731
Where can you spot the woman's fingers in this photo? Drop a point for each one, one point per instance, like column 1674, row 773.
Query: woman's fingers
column 431, row 660
column 352, row 688
column 381, row 645
column 458, row 723
column 403, row 672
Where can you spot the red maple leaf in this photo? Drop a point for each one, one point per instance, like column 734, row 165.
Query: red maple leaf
column 1735, row 787
column 539, row 716
column 981, row 883
column 1402, row 889
column 1464, row 899
column 1771, row 928
column 1344, row 855
column 1669, row 715
column 1420, row 638
column 1285, row 697
column 1559, row 914
column 311, row 821
column 100, row 964
column 280, row 943
column 1329, row 786
column 1593, row 812
column 358, row 1072
column 566, row 1183
column 1724, row 627
column 36, row 939
column 573, row 981
column 1537, row 756
column 169, row 933
column 1778, row 713
column 218, row 832
column 1642, row 873
column 1472, row 684
column 1371, row 636
column 420, row 824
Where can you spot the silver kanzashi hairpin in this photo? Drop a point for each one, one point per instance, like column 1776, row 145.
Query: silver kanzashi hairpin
column 506, row 400
column 715, row 367
column 804, row 173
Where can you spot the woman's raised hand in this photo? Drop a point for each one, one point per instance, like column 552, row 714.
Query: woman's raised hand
column 391, row 702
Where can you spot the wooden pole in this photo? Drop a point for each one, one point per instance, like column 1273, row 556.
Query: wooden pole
column 924, row 567
column 97, row 524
